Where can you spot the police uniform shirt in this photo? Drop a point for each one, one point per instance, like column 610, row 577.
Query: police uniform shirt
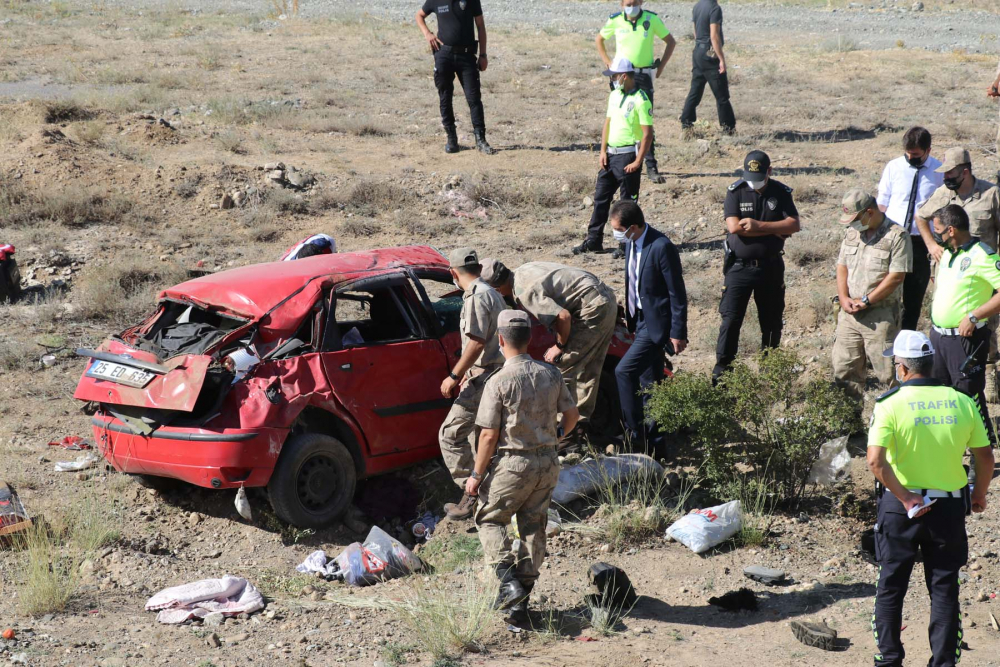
column 635, row 40
column 455, row 19
column 481, row 306
column 868, row 261
column 925, row 427
column 545, row 289
column 705, row 13
column 982, row 205
column 965, row 280
column 521, row 400
column 628, row 113
column 772, row 205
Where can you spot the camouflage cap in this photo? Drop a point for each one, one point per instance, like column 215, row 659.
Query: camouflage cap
column 495, row 272
column 517, row 319
column 854, row 203
column 954, row 157
column 462, row 257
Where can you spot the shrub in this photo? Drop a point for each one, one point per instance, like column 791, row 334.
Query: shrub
column 760, row 418
column 124, row 291
column 70, row 207
column 45, row 576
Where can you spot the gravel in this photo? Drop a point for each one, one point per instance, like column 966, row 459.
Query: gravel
column 875, row 25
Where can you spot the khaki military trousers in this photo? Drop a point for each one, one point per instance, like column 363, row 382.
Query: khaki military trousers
column 517, row 484
column 458, row 434
column 862, row 337
column 582, row 361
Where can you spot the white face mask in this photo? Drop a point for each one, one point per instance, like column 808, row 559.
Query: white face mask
column 633, row 11
column 898, row 377
column 617, row 84
column 620, row 236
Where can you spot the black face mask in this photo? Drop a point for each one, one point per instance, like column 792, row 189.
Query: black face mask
column 953, row 184
column 939, row 239
column 913, row 161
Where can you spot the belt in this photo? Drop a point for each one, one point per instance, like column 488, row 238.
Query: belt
column 460, row 49
column 526, row 452
column 622, row 150
column 937, row 493
column 645, row 70
column 954, row 332
column 758, row 262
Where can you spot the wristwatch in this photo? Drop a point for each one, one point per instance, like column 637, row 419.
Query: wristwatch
column 561, row 346
column 452, row 375
column 865, row 300
column 973, row 318
column 475, row 475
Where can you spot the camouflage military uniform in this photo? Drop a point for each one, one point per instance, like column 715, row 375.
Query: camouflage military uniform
column 866, row 334
column 481, row 305
column 522, row 401
column 546, row 288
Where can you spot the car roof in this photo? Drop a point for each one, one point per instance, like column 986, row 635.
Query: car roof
column 251, row 291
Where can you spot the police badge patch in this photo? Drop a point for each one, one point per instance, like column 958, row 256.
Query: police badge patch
column 998, row 266
column 966, row 263
column 772, row 203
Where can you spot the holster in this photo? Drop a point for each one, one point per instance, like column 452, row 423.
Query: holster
column 729, row 258
column 879, row 489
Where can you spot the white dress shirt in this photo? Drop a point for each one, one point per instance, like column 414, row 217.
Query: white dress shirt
column 637, row 249
column 897, row 181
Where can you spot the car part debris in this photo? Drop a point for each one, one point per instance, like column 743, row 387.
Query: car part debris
column 71, row 443
column 765, row 575
column 614, row 589
column 380, row 558
column 741, row 600
column 10, row 275
column 82, row 462
column 13, row 517
column 818, row 635
column 243, row 505
column 705, row 528
column 228, row 595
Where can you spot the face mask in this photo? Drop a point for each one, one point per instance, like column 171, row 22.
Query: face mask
column 938, row 238
column 632, row 11
column 617, row 84
column 914, row 161
column 898, row 377
column 858, row 225
column 953, row 184
column 620, row 236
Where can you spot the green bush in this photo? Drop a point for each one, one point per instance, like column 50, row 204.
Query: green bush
column 761, row 420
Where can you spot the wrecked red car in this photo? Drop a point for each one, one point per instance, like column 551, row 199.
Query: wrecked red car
column 301, row 376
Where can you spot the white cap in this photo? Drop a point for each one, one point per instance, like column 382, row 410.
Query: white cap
column 910, row 345
column 620, row 65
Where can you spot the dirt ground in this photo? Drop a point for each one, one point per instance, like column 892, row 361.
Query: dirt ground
column 122, row 130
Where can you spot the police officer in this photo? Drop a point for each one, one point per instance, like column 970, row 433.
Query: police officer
column 516, row 465
column 708, row 66
column 979, row 198
column 579, row 309
column 481, row 305
column 918, row 435
column 964, row 298
column 874, row 259
column 625, row 140
column 760, row 215
column 635, row 30
column 454, row 49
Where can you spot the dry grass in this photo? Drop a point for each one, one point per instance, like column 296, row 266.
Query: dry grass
column 95, row 522
column 124, row 291
column 71, row 206
column 46, row 576
column 17, row 355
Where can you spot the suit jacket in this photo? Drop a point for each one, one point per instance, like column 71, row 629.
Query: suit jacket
column 661, row 289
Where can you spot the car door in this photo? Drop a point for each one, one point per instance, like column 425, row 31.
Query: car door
column 384, row 365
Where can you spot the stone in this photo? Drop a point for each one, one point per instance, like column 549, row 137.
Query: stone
column 236, row 639
column 87, row 567
column 272, row 166
column 19, row 658
column 588, row 201
column 194, row 518
column 918, row 6
column 214, row 620
column 227, row 202
column 703, row 146
column 300, row 179
column 239, row 197
column 277, row 175
column 652, row 517
column 213, row 640
column 765, row 575
column 975, row 567
column 983, row 596
column 832, row 564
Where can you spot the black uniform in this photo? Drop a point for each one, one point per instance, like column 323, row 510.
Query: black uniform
column 753, row 266
column 456, row 23
column 705, row 68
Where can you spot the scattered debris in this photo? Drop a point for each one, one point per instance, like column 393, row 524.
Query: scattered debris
column 9, row 634
column 10, row 275
column 993, row 622
column 741, row 600
column 832, row 464
column 71, row 443
column 614, row 589
column 243, row 505
column 818, row 635
column 703, row 529
column 580, row 480
column 228, row 595
column 764, row 575
column 380, row 558
column 81, row 462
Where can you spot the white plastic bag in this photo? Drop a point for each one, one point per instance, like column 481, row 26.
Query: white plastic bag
column 243, row 505
column 585, row 478
column 703, row 529
column 832, row 462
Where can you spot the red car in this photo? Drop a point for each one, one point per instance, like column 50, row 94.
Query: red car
column 299, row 376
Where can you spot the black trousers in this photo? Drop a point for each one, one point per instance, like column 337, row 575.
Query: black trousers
column 706, row 70
column 766, row 283
column 448, row 64
column 641, row 366
column 608, row 180
column 950, row 352
column 940, row 536
column 915, row 284
column 645, row 84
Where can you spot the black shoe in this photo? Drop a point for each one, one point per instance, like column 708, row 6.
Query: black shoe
column 654, row 175
column 481, row 144
column 819, row 635
column 511, row 591
column 587, row 246
column 517, row 614
column 452, row 145
column 619, row 252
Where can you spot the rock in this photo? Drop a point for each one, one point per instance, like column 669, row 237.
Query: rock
column 703, row 146
column 301, row 179
column 194, row 518
column 610, row 450
column 214, row 620
column 588, row 201
column 975, row 567
column 236, row 639
column 227, row 202
column 276, row 175
column 272, row 166
column 832, row 564
column 764, row 575
column 652, row 517
column 19, row 658
column 239, row 197
column 983, row 596
column 87, row 567
column 572, row 459
column 918, row 6
column 565, row 187
column 605, row 548
column 213, row 640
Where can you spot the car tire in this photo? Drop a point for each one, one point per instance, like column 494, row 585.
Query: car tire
column 313, row 483
column 606, row 422
column 161, row 484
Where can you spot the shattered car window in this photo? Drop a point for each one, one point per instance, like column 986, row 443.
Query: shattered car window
column 374, row 316
column 445, row 298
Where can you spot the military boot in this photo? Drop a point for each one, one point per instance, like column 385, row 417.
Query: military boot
column 452, row 145
column 511, row 591
column 653, row 174
column 462, row 510
column 481, row 144
column 518, row 612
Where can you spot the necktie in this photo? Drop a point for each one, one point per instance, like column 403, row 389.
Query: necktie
column 908, row 221
column 631, row 280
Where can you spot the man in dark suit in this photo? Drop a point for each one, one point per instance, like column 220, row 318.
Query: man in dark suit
column 655, row 310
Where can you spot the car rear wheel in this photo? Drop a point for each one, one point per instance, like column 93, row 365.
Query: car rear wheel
column 314, row 481
column 606, row 422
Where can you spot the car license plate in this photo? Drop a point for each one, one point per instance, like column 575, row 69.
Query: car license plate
column 126, row 375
